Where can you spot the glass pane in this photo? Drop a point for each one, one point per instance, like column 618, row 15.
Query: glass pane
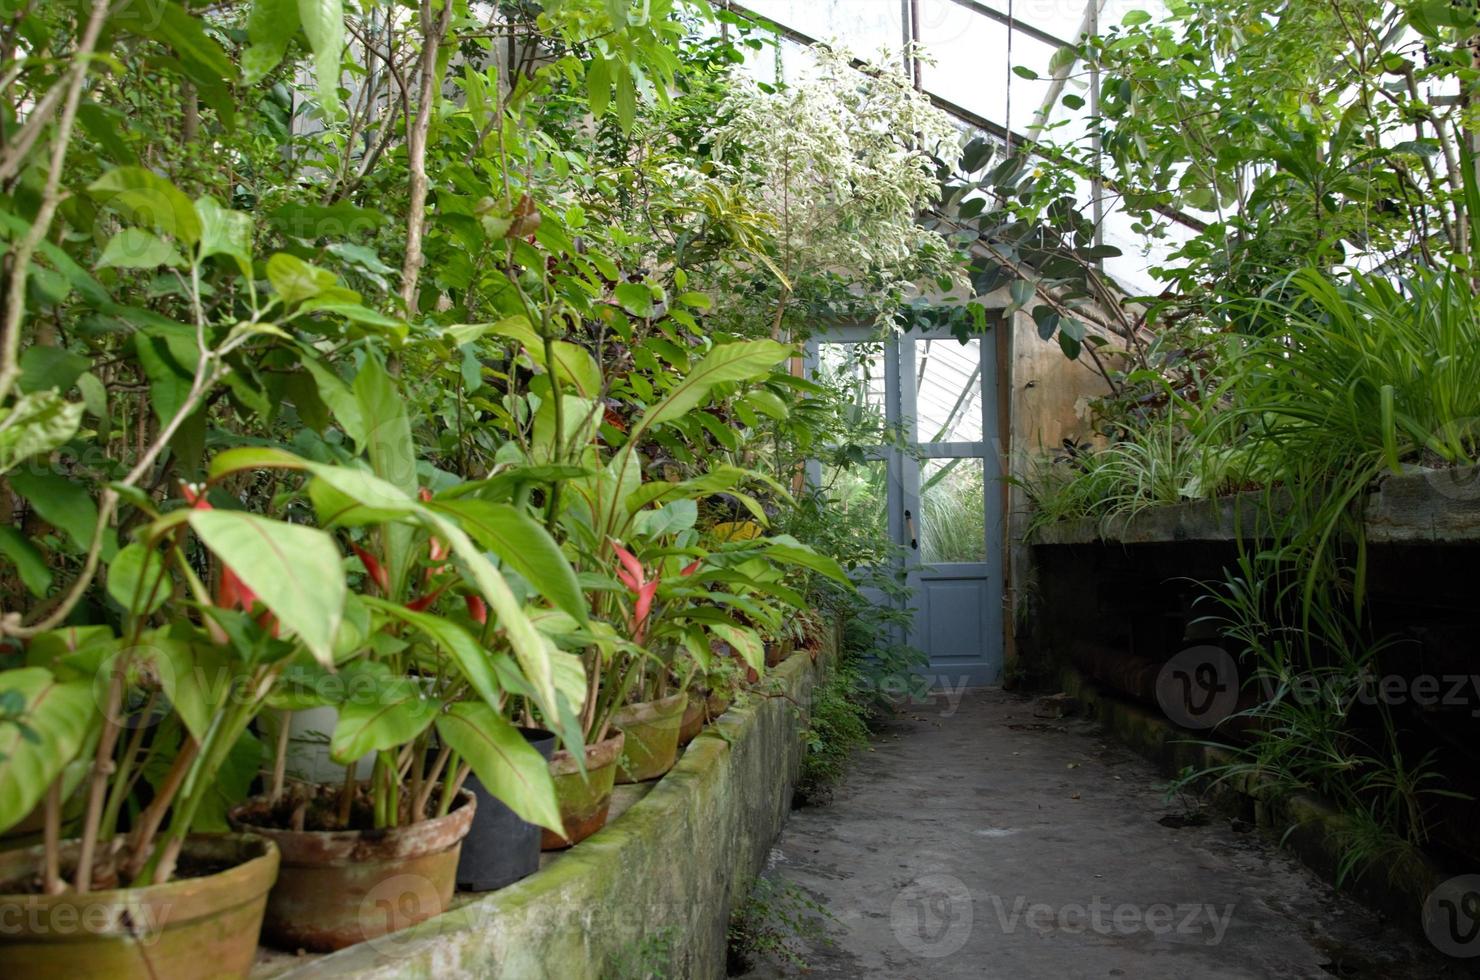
column 948, row 391
column 859, row 368
column 953, row 522
column 859, row 496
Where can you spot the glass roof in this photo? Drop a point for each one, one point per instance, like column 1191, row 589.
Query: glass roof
column 970, row 48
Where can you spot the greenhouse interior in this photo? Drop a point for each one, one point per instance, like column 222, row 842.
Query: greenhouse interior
column 629, row 489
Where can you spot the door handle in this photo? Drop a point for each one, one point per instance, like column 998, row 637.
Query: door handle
column 909, row 521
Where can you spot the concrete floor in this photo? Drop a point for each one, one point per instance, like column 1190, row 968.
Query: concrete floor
column 983, row 841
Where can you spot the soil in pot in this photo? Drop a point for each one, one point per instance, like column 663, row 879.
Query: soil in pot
column 584, row 800
column 500, row 848
column 202, row 924
column 652, row 737
column 341, row 887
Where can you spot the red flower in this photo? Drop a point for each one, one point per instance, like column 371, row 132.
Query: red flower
column 231, row 591
column 374, row 568
column 477, row 608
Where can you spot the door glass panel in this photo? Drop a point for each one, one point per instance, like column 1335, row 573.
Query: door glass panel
column 858, row 369
column 858, row 496
column 952, row 511
column 948, row 391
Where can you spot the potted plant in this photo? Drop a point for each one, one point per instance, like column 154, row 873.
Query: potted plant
column 167, row 707
column 413, row 684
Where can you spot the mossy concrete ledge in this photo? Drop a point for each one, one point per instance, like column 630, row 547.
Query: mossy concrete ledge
column 648, row 894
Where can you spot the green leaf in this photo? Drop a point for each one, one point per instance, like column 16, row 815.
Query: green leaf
column 744, row 641
column 195, row 676
column 135, row 248
column 65, row 505
column 294, row 280
column 472, row 660
column 148, row 199
column 323, row 25
column 29, row 563
column 530, row 648
column 36, row 423
column 225, row 232
column 525, row 546
column 785, row 548
column 1135, row 18
column 599, row 85
column 393, row 713
column 1023, row 71
column 50, row 367
column 730, row 362
column 296, row 571
column 136, row 579
column 202, row 56
column 636, row 298
column 59, row 716
column 271, row 25
column 503, row 760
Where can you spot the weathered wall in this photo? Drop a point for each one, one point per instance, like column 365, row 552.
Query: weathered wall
column 1047, row 397
column 651, row 892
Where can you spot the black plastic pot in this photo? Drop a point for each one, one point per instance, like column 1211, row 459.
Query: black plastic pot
column 501, row 848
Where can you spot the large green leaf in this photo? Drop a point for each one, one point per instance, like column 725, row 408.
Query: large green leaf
column 200, row 54
column 472, row 660
column 29, row 563
column 323, row 25
column 530, row 648
column 295, row 280
column 271, row 25
column 225, row 232
column 525, row 546
column 57, row 717
column 148, row 199
column 136, row 579
column 785, row 548
column 195, row 676
column 296, row 571
column 65, row 505
column 391, row 713
column 135, row 248
column 730, row 362
column 36, row 423
column 504, row 762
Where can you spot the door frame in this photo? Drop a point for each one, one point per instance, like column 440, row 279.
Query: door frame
column 902, row 469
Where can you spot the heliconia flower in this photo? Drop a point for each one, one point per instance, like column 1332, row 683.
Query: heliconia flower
column 233, row 592
column 425, row 495
column 631, row 574
column 195, row 496
column 374, row 568
column 692, row 567
column 642, row 610
column 477, row 608
column 422, row 603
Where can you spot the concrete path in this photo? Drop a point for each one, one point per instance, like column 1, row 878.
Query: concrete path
column 982, row 841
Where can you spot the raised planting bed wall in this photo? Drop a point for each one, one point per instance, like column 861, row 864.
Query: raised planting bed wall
column 1116, row 601
column 648, row 895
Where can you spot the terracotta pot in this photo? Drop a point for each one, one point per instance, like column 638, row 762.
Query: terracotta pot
column 700, row 713
column 779, row 650
column 338, row 888
column 204, row 926
column 584, row 800
column 652, row 737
